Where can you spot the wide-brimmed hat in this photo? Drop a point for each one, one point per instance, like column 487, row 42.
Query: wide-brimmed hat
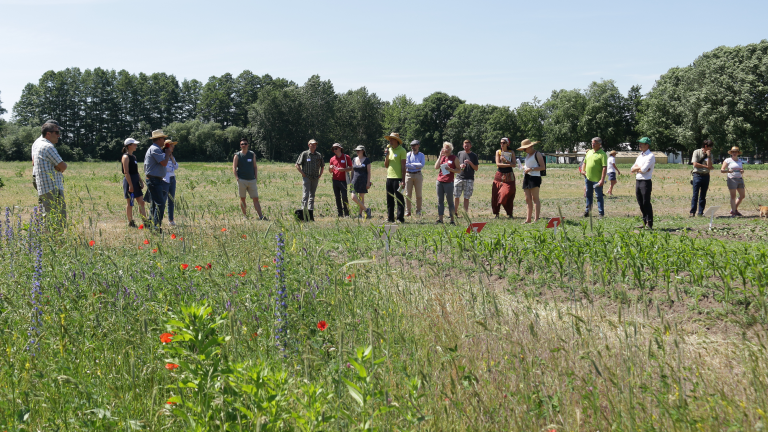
column 169, row 143
column 526, row 143
column 612, row 153
column 644, row 140
column 394, row 135
column 312, row 141
column 358, row 148
column 734, row 149
column 337, row 145
column 158, row 134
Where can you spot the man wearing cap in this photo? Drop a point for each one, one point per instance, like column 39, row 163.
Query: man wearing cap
column 702, row 165
column 246, row 173
column 340, row 164
column 643, row 170
column 47, row 170
column 465, row 180
column 595, row 168
column 394, row 161
column 155, row 161
column 414, row 162
column 310, row 165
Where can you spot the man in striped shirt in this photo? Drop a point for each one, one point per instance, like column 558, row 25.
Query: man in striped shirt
column 47, row 170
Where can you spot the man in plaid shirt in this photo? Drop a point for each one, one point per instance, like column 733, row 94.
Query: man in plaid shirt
column 47, row 170
column 310, row 165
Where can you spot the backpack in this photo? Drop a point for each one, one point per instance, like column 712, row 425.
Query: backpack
column 544, row 160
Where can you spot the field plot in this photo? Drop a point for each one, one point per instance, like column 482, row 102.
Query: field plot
column 222, row 323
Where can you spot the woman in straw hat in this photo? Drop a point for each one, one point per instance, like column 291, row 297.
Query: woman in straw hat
column 448, row 167
column 613, row 171
column 132, row 184
column 170, row 178
column 534, row 165
column 503, row 188
column 734, row 166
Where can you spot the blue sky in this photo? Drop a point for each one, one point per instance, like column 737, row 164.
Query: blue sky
column 487, row 52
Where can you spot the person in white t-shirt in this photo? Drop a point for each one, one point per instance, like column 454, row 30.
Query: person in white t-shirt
column 643, row 170
column 613, row 171
column 735, row 169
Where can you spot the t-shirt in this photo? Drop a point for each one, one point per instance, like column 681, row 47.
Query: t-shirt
column 611, row 164
column 343, row 162
column 467, row 173
column 700, row 158
column 736, row 166
column 447, row 178
column 395, row 155
column 245, row 169
column 594, row 162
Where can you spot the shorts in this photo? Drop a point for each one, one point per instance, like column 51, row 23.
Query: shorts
column 612, row 176
column 137, row 193
column 531, row 182
column 249, row 186
column 735, row 183
column 467, row 186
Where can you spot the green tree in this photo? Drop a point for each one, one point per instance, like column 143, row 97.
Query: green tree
column 430, row 119
column 247, row 87
column 318, row 101
column 471, row 121
column 16, row 141
column 603, row 114
column 397, row 116
column 564, row 111
column 217, row 100
column 530, row 120
column 26, row 111
column 276, row 123
column 358, row 121
column 501, row 123
column 189, row 108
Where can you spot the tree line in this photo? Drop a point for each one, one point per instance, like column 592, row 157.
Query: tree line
column 722, row 95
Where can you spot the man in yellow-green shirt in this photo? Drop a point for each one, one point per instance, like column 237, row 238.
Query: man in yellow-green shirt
column 394, row 160
column 595, row 167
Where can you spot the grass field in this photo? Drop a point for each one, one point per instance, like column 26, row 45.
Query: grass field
column 280, row 325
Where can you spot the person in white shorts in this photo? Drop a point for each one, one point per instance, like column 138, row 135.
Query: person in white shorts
column 734, row 166
column 246, row 172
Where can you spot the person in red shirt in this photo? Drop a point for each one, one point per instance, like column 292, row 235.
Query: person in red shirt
column 446, row 163
column 340, row 165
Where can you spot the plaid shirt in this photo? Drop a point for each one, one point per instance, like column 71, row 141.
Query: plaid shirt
column 45, row 158
column 310, row 163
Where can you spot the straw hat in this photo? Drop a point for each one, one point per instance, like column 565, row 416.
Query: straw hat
column 734, row 149
column 158, row 134
column 394, row 135
column 612, row 153
column 527, row 143
column 169, row 143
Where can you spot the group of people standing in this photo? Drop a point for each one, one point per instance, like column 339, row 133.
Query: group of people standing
column 455, row 177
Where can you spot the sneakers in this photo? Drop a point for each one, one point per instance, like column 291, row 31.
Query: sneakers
column 368, row 213
column 438, row 221
column 264, row 218
column 452, row 222
column 692, row 215
column 586, row 213
column 171, row 223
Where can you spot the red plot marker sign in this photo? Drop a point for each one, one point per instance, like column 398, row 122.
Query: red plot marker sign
column 554, row 223
column 475, row 227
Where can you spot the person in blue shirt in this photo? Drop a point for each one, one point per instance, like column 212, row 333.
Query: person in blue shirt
column 414, row 162
column 155, row 162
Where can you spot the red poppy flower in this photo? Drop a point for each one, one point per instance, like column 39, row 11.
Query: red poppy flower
column 166, row 338
column 171, row 403
column 223, row 230
column 231, row 274
column 141, row 247
column 141, row 226
column 264, row 266
column 349, row 277
column 173, row 236
column 171, row 366
column 154, row 250
column 208, row 266
column 91, row 243
column 184, row 266
column 198, row 268
column 181, row 238
column 244, row 236
column 322, row 325
column 254, row 335
column 243, row 273
column 146, row 241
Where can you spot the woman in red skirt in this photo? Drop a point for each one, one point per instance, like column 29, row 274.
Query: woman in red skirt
column 503, row 189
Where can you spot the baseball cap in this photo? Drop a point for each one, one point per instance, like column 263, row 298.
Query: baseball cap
column 505, row 140
column 53, row 122
column 130, row 141
column 415, row 142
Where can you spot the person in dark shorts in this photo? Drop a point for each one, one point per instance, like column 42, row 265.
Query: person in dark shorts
column 534, row 164
column 361, row 180
column 132, row 184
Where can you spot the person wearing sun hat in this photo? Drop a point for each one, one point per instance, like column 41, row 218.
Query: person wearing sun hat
column 155, row 161
column 643, row 170
column 394, row 161
column 340, row 165
column 361, row 180
column 310, row 165
column 132, row 184
column 534, row 165
column 734, row 166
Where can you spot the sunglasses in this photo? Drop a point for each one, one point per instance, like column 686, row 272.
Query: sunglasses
column 243, row 144
column 57, row 132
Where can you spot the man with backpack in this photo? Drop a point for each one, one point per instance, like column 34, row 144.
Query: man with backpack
column 245, row 170
column 595, row 168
